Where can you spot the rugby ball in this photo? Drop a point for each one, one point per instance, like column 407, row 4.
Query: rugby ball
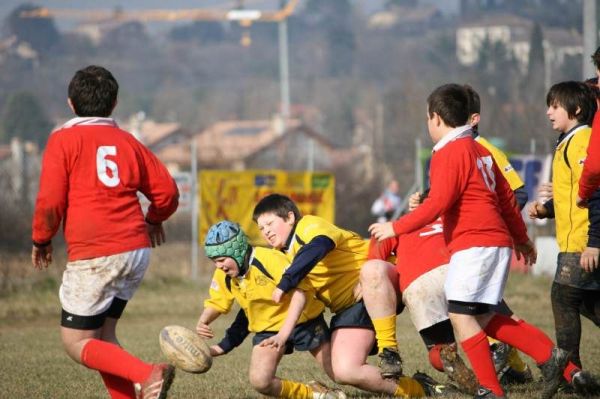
column 185, row 349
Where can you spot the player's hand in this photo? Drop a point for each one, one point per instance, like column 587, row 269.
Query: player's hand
column 414, row 201
column 536, row 210
column 156, row 233
column 589, row 259
column 216, row 350
column 581, row 202
column 277, row 295
column 204, row 330
column 357, row 292
column 527, row 251
column 381, row 231
column 545, row 192
column 276, row 341
column 41, row 257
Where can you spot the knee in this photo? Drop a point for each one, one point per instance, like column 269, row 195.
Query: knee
column 373, row 270
column 344, row 374
column 261, row 383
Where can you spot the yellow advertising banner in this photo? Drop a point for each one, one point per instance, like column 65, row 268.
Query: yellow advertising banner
column 232, row 195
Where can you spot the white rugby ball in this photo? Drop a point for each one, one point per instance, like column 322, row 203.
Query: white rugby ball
column 185, row 349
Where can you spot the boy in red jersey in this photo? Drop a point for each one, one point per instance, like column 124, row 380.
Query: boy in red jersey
column 481, row 225
column 91, row 173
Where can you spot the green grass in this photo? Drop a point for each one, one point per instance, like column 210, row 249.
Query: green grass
column 34, row 365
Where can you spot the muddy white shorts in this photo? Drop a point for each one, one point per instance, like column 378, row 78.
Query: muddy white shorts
column 425, row 298
column 89, row 286
column 478, row 275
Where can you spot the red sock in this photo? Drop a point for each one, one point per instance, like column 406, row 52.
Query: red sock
column 118, row 388
column 112, row 359
column 569, row 371
column 435, row 358
column 525, row 337
column 477, row 350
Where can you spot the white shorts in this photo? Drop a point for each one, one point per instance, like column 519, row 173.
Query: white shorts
column 478, row 275
column 90, row 285
column 426, row 300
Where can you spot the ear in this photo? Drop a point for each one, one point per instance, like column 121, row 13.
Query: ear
column 71, row 104
column 437, row 119
column 578, row 111
column 474, row 119
column 291, row 218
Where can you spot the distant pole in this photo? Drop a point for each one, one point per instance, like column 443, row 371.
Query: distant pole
column 284, row 84
column 590, row 37
column 194, row 203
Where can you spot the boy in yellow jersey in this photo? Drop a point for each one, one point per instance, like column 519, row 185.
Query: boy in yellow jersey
column 248, row 276
column 510, row 367
column 329, row 259
column 576, row 286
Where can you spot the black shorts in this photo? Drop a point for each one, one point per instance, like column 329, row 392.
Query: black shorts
column 76, row 322
column 305, row 337
column 477, row 308
column 569, row 272
column 355, row 316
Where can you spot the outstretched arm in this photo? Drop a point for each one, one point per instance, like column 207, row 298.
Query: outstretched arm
column 293, row 314
column 234, row 335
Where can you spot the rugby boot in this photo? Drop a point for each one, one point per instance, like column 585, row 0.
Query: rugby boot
column 552, row 371
column 512, row 376
column 390, row 363
column 585, row 384
column 500, row 352
column 158, row 383
column 485, row 393
column 321, row 391
column 432, row 387
column 456, row 369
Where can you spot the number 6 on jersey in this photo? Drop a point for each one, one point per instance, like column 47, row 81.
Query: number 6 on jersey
column 102, row 164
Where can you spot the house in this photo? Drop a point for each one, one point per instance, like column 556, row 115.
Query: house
column 515, row 33
column 260, row 144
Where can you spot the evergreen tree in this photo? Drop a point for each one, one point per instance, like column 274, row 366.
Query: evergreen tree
column 24, row 117
column 536, row 68
column 40, row 33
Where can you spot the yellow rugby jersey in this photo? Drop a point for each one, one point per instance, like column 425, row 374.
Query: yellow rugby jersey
column 509, row 173
column 571, row 221
column 253, row 293
column 336, row 275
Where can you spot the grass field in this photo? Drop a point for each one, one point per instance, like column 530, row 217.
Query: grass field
column 33, row 364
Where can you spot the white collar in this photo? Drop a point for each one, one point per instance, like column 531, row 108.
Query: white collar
column 571, row 133
column 90, row 120
column 456, row 133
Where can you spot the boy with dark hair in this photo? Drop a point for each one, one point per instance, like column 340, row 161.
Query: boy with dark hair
column 466, row 185
column 330, row 259
column 91, row 173
column 576, row 286
column 248, row 275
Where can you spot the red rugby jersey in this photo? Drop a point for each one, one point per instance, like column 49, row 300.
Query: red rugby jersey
column 91, row 173
column 589, row 181
column 469, row 192
column 416, row 253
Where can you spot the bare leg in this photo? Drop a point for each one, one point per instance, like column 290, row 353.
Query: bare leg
column 263, row 365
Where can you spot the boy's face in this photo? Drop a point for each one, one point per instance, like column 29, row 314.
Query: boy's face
column 228, row 265
column 274, row 229
column 433, row 124
column 560, row 118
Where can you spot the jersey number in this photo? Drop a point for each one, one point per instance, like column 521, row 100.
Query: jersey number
column 103, row 164
column 485, row 164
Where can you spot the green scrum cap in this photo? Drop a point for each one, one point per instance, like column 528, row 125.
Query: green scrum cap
column 227, row 239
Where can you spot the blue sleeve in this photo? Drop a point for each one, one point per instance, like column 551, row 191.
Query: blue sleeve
column 594, row 219
column 307, row 257
column 549, row 205
column 236, row 333
column 521, row 197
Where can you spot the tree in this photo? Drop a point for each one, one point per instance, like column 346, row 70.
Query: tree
column 24, row 117
column 40, row 33
column 536, row 66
